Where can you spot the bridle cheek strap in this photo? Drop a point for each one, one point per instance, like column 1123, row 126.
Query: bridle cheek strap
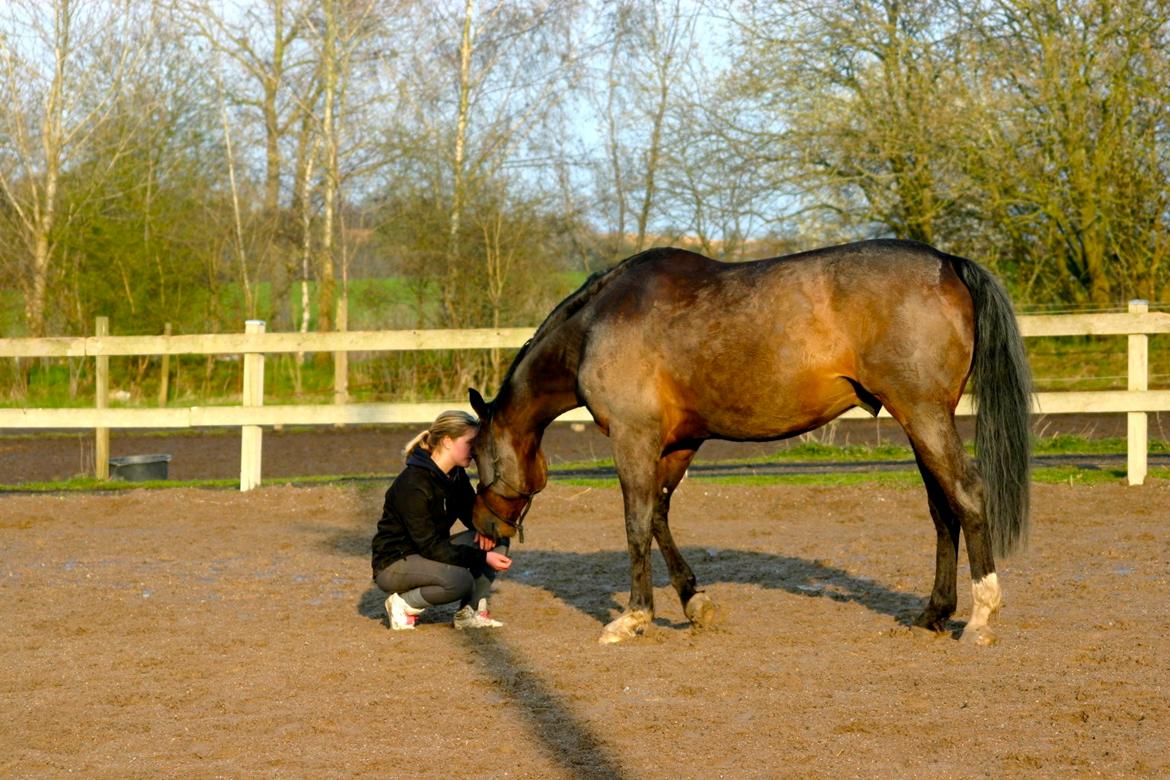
column 518, row 523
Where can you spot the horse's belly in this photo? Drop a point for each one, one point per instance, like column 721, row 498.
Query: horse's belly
column 767, row 410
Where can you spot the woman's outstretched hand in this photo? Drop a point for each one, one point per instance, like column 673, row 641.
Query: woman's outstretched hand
column 498, row 561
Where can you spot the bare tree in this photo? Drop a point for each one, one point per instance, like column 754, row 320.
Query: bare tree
column 667, row 33
column 858, row 104
column 339, row 39
column 512, row 65
column 272, row 82
column 61, row 65
column 650, row 49
column 263, row 42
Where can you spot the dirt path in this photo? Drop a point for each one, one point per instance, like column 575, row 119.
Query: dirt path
column 194, row 633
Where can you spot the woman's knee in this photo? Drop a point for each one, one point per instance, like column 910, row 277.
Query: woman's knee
column 453, row 586
column 385, row 579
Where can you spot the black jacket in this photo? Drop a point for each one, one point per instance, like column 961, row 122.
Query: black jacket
column 421, row 506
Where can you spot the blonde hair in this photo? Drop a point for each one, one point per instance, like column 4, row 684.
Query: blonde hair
column 452, row 423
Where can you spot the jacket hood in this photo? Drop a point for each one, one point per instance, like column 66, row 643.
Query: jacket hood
column 421, row 458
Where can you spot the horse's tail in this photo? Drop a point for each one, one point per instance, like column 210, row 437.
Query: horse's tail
column 1002, row 385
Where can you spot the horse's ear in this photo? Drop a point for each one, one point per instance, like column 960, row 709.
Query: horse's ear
column 478, row 404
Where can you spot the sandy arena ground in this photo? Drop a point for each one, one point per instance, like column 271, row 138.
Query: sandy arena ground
column 199, row 633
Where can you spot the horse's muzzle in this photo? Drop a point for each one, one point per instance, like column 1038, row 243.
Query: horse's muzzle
column 488, row 522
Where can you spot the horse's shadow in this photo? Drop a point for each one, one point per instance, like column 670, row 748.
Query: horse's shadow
column 591, row 581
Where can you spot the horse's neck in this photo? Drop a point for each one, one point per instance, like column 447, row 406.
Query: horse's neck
column 540, row 389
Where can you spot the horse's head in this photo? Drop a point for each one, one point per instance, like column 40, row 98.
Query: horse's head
column 511, row 471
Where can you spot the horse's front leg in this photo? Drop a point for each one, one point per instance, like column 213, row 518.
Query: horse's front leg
column 699, row 609
column 637, row 476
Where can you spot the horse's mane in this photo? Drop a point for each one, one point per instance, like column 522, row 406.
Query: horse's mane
column 577, row 300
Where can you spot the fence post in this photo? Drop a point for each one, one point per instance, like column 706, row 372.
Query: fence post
column 251, row 436
column 1137, row 444
column 101, row 397
column 341, row 359
column 165, row 370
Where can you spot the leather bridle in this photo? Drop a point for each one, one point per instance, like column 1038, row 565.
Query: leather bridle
column 518, row 523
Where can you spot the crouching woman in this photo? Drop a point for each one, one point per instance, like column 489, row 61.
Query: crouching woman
column 415, row 557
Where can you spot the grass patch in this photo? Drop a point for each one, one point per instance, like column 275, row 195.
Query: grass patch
column 901, row 478
column 815, row 451
column 1071, row 475
column 910, row 478
column 1079, row 445
column 92, row 485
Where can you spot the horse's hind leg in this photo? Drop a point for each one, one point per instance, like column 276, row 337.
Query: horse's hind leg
column 945, row 463
column 699, row 609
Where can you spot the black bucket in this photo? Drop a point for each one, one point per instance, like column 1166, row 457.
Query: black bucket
column 139, row 468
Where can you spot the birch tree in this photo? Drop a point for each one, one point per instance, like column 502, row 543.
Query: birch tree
column 61, row 66
column 265, row 41
column 342, row 39
column 650, row 48
column 270, row 79
column 512, row 65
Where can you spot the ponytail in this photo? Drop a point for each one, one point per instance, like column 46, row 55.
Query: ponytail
column 422, row 439
column 452, row 423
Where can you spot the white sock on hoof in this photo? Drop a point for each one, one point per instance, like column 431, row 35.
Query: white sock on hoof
column 986, row 598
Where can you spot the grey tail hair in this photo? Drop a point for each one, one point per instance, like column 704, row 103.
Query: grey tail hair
column 1002, row 385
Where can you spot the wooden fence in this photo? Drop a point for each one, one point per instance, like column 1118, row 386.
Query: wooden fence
column 251, row 415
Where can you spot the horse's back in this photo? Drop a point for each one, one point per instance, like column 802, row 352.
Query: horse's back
column 848, row 265
column 852, row 287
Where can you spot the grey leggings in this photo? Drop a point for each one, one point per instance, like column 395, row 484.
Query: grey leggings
column 440, row 583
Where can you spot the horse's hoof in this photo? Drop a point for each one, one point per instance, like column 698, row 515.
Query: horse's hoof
column 924, row 632
column 628, row 626
column 609, row 637
column 700, row 610
column 982, row 636
column 931, row 622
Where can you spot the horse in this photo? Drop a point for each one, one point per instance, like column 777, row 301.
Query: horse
column 670, row 348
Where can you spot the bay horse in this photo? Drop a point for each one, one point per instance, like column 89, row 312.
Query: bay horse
column 670, row 348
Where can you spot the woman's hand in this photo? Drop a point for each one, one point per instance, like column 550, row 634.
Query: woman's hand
column 498, row 561
column 485, row 543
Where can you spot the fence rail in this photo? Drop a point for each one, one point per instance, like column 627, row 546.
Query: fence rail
column 251, row 415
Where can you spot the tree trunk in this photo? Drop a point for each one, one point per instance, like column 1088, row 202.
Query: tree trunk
column 459, row 184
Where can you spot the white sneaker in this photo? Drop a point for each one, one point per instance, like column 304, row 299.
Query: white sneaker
column 402, row 615
column 468, row 617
